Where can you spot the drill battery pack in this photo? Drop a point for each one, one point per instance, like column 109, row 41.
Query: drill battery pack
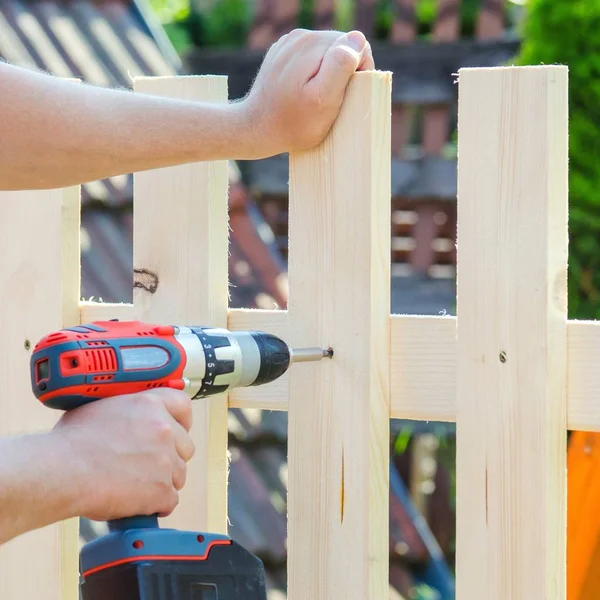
column 165, row 564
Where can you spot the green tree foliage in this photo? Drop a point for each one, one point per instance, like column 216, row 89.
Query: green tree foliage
column 567, row 33
column 226, row 23
column 170, row 10
column 426, row 15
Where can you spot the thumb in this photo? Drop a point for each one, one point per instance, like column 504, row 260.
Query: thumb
column 339, row 63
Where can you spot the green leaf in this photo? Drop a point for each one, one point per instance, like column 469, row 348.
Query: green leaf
column 567, row 33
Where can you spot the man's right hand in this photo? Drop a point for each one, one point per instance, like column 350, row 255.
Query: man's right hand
column 131, row 452
column 299, row 91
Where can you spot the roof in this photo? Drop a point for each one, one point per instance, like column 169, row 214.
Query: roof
column 105, row 43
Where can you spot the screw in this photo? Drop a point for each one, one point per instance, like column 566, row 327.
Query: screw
column 502, row 356
column 27, row 344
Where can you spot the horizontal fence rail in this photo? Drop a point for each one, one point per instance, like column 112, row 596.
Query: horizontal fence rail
column 422, row 365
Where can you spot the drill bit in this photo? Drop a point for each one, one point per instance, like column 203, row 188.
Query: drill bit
column 309, row 354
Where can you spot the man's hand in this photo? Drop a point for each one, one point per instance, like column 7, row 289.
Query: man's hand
column 132, row 452
column 300, row 87
column 114, row 458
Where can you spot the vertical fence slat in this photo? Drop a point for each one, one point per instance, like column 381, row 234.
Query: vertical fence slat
column 338, row 501
column 511, row 386
column 39, row 282
column 181, row 237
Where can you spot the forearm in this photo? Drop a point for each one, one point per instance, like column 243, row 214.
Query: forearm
column 40, row 483
column 56, row 133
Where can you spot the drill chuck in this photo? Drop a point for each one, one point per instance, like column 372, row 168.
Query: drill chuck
column 220, row 360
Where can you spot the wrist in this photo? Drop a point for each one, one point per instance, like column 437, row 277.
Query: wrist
column 40, row 483
column 241, row 128
column 72, row 487
column 253, row 140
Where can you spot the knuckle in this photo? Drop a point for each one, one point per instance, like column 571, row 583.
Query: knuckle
column 297, row 32
column 164, row 491
column 179, row 404
column 187, row 451
column 172, row 501
column 303, row 37
column 183, row 401
column 149, row 400
column 163, row 430
column 343, row 59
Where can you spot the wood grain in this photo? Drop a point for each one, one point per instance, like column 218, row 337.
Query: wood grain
column 423, row 368
column 512, row 333
column 181, row 244
column 339, row 269
column 583, row 375
column 39, row 279
column 105, row 311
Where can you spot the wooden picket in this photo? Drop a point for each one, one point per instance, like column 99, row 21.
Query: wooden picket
column 510, row 369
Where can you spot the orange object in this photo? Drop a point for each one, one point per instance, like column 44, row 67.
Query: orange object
column 583, row 516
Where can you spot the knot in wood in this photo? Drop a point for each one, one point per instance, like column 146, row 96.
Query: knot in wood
column 145, row 279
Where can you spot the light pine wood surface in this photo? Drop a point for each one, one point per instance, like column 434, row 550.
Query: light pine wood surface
column 339, row 269
column 511, row 382
column 181, row 243
column 39, row 283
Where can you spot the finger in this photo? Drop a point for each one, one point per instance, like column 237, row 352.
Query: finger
column 274, row 49
column 302, row 56
column 179, row 472
column 283, row 44
column 169, row 504
column 367, row 63
column 183, row 442
column 339, row 63
column 178, row 404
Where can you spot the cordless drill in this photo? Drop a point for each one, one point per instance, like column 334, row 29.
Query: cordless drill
column 137, row 560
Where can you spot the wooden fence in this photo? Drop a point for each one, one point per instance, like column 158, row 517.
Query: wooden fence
column 510, row 369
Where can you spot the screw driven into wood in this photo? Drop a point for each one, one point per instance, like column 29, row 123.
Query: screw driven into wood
column 309, row 354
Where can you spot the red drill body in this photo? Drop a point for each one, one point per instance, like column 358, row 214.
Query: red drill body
column 80, row 364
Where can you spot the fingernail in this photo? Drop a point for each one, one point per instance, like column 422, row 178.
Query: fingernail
column 356, row 40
